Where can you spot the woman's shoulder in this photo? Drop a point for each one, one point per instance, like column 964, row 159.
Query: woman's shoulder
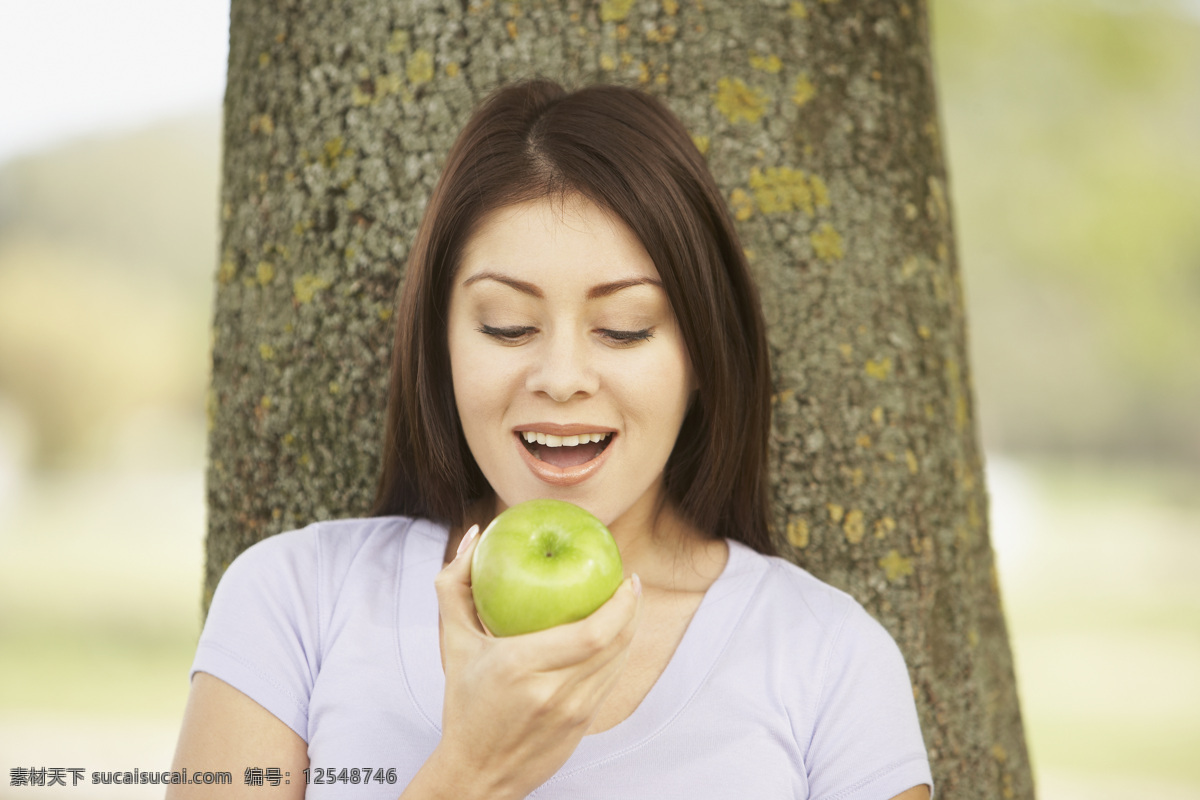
column 333, row 546
column 789, row 596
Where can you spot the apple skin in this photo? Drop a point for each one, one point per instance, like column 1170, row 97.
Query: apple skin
column 543, row 563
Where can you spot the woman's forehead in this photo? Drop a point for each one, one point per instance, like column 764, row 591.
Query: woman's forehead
column 547, row 241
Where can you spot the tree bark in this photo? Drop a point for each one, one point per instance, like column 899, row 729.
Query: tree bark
column 819, row 121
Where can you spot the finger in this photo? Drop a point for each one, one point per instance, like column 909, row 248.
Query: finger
column 594, row 637
column 597, row 679
column 610, row 660
column 456, row 606
column 467, row 541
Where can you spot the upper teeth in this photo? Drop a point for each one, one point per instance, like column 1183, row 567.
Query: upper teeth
column 550, row 440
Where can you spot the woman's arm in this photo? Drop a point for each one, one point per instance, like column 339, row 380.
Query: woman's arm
column 915, row 793
column 225, row 731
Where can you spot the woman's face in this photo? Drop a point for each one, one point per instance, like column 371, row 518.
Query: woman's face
column 559, row 327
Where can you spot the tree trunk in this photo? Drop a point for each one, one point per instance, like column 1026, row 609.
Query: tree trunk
column 819, row 121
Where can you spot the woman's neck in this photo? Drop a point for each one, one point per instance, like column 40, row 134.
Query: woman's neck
column 664, row 549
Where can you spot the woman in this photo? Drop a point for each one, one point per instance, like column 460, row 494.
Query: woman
column 578, row 322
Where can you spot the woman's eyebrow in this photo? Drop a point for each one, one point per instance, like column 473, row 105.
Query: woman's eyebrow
column 520, row 286
column 597, row 291
column 605, row 289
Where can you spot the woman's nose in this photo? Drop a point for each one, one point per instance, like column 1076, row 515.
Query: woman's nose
column 564, row 369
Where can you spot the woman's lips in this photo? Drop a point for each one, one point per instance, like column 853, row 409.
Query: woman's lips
column 563, row 476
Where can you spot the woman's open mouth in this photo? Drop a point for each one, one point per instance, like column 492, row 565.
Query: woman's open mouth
column 565, row 451
column 564, row 460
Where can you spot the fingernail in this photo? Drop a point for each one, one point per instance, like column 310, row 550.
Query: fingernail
column 466, row 540
column 637, row 585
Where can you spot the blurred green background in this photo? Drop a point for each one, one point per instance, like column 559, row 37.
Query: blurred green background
column 1072, row 130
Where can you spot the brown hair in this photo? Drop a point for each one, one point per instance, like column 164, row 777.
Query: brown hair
column 626, row 152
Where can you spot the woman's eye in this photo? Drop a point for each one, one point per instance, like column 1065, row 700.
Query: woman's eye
column 521, row 332
column 627, row 337
column 514, row 334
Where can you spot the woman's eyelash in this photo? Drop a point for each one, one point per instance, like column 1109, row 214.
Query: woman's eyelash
column 512, row 334
column 629, row 336
column 504, row 333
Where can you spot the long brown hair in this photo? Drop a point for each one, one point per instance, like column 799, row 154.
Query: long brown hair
column 626, row 152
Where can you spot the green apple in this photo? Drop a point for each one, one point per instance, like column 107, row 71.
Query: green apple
column 543, row 563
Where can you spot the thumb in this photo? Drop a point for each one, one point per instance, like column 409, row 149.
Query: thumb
column 456, row 606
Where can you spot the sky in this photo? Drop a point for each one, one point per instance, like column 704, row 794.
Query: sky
column 70, row 68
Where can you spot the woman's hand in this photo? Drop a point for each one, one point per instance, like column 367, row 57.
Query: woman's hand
column 516, row 707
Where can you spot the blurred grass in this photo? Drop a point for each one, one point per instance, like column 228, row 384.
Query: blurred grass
column 1104, row 615
column 102, row 666
column 99, row 609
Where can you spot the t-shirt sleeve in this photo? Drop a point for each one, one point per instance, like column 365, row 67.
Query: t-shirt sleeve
column 866, row 742
column 262, row 631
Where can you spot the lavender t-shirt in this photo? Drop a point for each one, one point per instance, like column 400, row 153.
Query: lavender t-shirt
column 781, row 687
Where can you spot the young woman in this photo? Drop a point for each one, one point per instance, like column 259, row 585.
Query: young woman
column 578, row 322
